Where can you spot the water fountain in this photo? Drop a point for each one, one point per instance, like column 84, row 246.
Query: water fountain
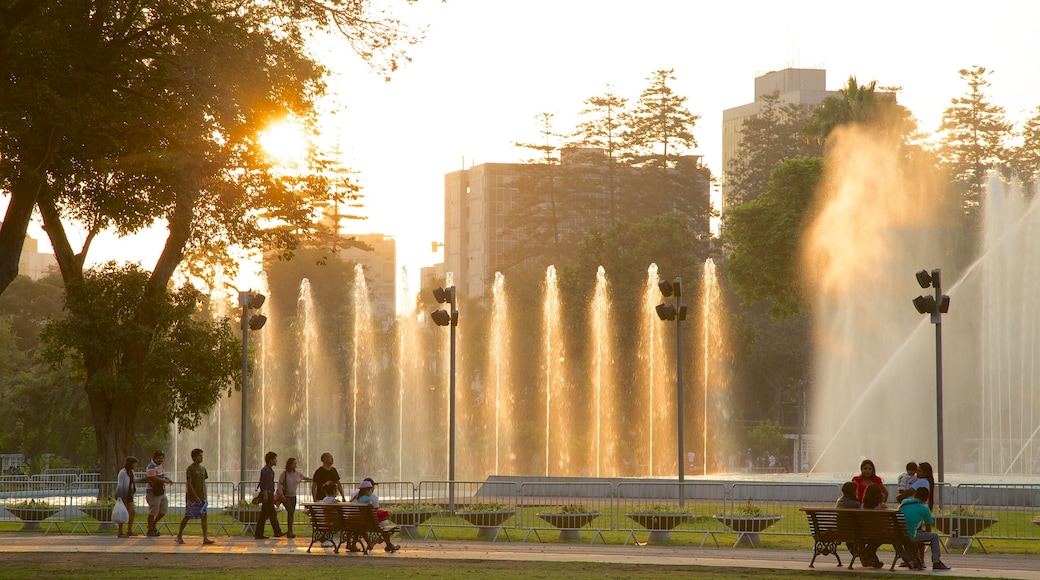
column 874, row 386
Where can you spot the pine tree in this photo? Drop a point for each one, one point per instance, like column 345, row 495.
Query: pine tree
column 974, row 137
column 601, row 128
column 1027, row 155
column 660, row 128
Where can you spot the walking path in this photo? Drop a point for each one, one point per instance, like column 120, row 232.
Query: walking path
column 970, row 565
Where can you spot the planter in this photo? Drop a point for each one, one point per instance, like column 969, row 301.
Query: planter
column 102, row 514
column 488, row 521
column 747, row 527
column 569, row 524
column 31, row 517
column 243, row 516
column 660, row 524
column 962, row 529
column 410, row 520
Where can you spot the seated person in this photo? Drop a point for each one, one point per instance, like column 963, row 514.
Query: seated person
column 367, row 494
column 331, row 492
column 915, row 511
column 872, row 501
column 848, row 497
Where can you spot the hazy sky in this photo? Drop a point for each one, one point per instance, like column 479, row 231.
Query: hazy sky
column 488, row 67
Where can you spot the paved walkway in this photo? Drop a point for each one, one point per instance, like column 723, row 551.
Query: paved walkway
column 970, row 565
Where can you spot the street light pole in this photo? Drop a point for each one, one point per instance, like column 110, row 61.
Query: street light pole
column 678, row 314
column 247, row 300
column 935, row 306
column 443, row 318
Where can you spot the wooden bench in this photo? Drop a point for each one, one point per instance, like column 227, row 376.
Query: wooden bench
column 832, row 526
column 349, row 523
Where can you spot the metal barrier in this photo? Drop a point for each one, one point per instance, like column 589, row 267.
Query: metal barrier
column 990, row 511
column 662, row 508
column 34, row 501
column 772, row 508
column 569, row 507
column 489, row 506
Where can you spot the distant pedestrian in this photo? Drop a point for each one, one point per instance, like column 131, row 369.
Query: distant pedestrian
column 288, row 482
column 195, row 496
column 155, row 494
column 126, row 487
column 267, row 498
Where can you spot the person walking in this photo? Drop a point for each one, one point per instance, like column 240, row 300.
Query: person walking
column 126, row 487
column 195, row 496
column 324, row 474
column 155, row 493
column 288, row 482
column 267, row 511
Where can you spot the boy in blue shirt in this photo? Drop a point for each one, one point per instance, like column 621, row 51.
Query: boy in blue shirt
column 915, row 511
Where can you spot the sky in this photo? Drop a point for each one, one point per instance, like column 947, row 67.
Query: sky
column 487, row 68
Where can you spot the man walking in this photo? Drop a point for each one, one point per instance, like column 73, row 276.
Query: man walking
column 195, row 496
column 267, row 498
column 155, row 494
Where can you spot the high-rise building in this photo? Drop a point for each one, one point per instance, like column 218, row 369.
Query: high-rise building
column 484, row 204
column 790, row 86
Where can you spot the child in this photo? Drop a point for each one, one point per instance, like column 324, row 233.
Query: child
column 331, row 492
column 907, row 479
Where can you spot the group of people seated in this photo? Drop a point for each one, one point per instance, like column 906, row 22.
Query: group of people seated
column 914, row 494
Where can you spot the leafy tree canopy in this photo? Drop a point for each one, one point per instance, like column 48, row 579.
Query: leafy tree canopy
column 765, row 237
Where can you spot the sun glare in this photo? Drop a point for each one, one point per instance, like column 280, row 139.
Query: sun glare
column 285, row 142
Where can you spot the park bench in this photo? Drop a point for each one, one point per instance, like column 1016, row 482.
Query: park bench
column 353, row 524
column 832, row 526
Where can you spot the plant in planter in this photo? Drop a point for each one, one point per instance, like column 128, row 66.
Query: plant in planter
column 962, row 524
column 660, row 519
column 31, row 512
column 244, row 512
column 489, row 517
column 99, row 509
column 569, row 518
column 748, row 520
column 412, row 514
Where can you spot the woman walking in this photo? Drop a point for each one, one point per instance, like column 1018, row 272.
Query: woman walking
column 126, row 487
column 288, row 481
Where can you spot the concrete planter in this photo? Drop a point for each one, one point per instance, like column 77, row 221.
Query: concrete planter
column 488, row 521
column 747, row 527
column 570, row 523
column 659, row 524
column 31, row 517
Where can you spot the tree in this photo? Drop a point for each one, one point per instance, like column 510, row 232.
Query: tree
column 1027, row 155
column 767, row 437
column 774, row 134
column 125, row 114
column 863, row 105
column 974, row 134
column 766, row 234
column 98, row 85
column 601, row 129
column 660, row 127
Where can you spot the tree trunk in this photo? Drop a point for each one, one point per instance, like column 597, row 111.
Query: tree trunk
column 114, row 431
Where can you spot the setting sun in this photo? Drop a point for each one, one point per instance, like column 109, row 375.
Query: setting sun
column 285, row 142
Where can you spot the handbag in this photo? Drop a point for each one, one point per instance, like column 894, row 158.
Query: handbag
column 120, row 515
column 259, row 495
column 278, row 498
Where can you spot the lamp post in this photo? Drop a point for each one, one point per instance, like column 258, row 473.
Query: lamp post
column 935, row 306
column 677, row 313
column 248, row 300
column 444, row 318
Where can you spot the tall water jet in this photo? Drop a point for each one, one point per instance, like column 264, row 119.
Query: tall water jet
column 557, row 432
column 651, row 354
column 499, row 367
column 714, row 357
column 603, row 381
column 308, row 342
column 874, row 227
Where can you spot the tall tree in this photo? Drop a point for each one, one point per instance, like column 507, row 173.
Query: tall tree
column 660, row 127
column 765, row 236
column 130, row 113
column 774, row 134
column 974, row 134
column 601, row 128
column 863, row 105
column 1027, row 155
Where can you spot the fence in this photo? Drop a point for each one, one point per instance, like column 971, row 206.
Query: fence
column 538, row 510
